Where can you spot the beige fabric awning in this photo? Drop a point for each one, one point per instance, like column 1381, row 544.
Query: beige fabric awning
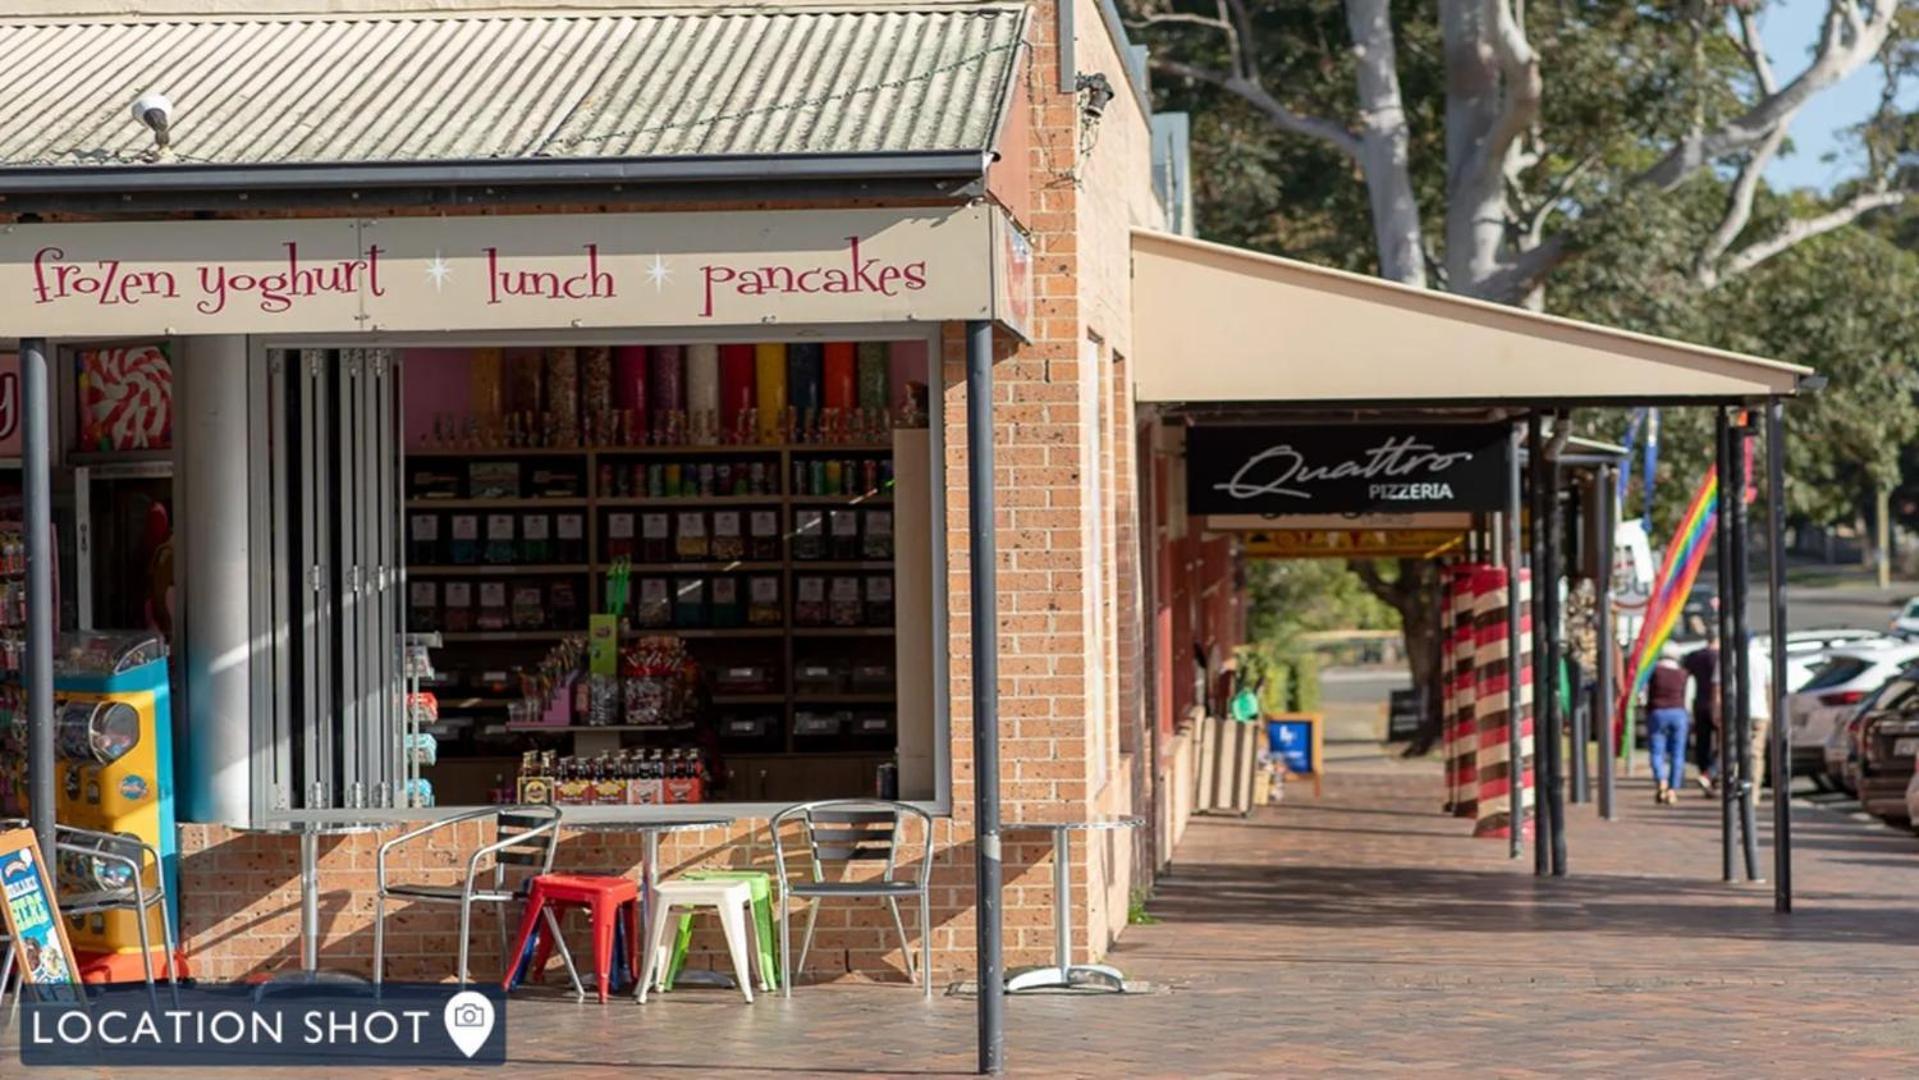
column 1222, row 324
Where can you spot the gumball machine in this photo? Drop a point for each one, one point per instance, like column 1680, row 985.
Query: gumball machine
column 115, row 747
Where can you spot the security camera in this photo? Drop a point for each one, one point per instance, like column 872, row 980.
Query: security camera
column 155, row 111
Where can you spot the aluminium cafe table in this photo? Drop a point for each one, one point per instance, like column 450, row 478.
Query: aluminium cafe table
column 309, row 833
column 1062, row 973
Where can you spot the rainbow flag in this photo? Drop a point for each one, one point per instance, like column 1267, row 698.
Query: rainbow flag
column 1684, row 555
column 1690, row 542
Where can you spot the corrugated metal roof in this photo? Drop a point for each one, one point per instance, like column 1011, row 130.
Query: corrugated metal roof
column 425, row 89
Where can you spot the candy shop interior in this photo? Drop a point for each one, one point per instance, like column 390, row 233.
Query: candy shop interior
column 112, row 427
column 669, row 572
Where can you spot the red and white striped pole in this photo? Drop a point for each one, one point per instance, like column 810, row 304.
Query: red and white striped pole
column 1496, row 772
column 1461, row 700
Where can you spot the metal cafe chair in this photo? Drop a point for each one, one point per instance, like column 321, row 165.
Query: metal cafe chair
column 840, row 833
column 528, row 837
column 117, row 863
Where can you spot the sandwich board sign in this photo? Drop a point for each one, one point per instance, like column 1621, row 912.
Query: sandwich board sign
column 42, row 954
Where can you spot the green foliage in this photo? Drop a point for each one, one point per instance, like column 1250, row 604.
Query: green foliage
column 1294, row 597
column 1297, row 596
column 1306, row 683
column 1840, row 303
column 1136, row 913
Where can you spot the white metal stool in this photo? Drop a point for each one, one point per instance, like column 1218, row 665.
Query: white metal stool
column 733, row 900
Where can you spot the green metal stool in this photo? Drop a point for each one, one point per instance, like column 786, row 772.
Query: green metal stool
column 762, row 885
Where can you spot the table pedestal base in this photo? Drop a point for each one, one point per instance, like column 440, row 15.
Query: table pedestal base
column 303, row 978
column 1074, row 977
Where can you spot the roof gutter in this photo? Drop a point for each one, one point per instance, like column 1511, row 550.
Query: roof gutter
column 949, row 169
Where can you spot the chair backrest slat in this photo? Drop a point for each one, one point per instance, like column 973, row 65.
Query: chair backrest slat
column 852, row 836
column 856, row 853
column 524, row 846
column 854, row 817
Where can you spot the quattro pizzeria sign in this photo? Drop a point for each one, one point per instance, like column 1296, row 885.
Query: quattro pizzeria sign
column 1346, row 469
column 527, row 272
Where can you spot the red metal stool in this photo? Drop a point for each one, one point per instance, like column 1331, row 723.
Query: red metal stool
column 613, row 903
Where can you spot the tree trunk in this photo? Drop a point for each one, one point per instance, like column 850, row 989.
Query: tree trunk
column 1882, row 536
column 1385, row 153
column 1475, row 197
column 1420, row 622
column 1414, row 593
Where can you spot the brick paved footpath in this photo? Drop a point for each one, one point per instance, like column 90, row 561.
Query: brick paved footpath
column 1363, row 933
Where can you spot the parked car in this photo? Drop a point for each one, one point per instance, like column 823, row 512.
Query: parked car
column 1839, row 756
column 1846, row 677
column 1907, row 620
column 1829, row 637
column 1888, row 741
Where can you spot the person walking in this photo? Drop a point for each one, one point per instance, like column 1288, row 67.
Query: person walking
column 1703, row 666
column 1666, row 728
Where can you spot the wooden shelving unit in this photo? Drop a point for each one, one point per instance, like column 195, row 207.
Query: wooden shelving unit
column 641, row 569
column 668, row 504
column 559, row 729
column 495, row 569
column 593, row 504
column 536, row 502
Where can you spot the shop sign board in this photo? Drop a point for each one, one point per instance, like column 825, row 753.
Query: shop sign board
column 1295, row 744
column 507, row 272
column 42, row 953
column 1340, row 469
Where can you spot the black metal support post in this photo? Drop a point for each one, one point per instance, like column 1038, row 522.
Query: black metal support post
column 1536, row 533
column 1728, row 783
column 1549, row 724
column 1742, row 657
column 36, row 484
column 1555, row 724
column 1578, row 687
column 1776, row 597
column 1603, row 691
column 984, row 580
column 1515, row 704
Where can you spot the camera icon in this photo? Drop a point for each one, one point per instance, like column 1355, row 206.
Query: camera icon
column 471, row 1016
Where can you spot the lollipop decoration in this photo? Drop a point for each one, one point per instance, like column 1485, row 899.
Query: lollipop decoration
column 126, row 398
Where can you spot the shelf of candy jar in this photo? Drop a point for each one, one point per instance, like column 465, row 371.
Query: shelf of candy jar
column 13, row 550
column 674, row 430
column 640, row 397
column 635, row 777
column 656, row 687
column 13, row 599
column 419, row 749
column 13, row 751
